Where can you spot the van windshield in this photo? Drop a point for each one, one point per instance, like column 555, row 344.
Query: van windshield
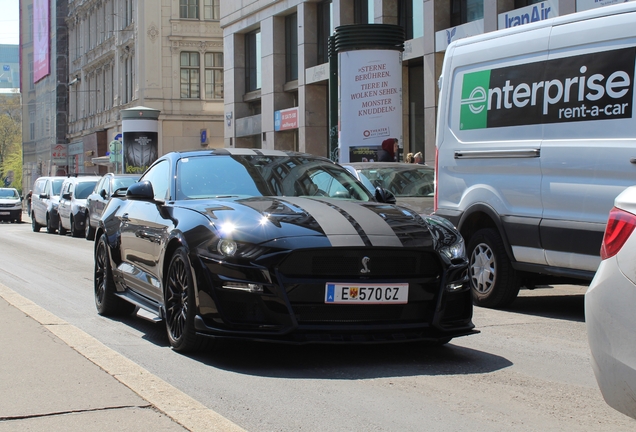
column 57, row 186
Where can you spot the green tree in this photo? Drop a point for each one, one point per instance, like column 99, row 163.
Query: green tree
column 10, row 138
column 12, row 167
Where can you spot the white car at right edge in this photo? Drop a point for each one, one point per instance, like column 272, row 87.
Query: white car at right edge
column 609, row 308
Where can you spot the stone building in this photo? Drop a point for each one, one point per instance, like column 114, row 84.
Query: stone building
column 276, row 60
column 110, row 55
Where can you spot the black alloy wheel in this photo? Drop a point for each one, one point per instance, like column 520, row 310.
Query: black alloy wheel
column 106, row 302
column 180, row 306
column 34, row 225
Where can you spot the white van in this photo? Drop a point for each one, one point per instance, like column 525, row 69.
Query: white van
column 536, row 136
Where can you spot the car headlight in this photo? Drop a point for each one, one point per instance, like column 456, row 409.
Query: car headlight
column 455, row 251
column 227, row 247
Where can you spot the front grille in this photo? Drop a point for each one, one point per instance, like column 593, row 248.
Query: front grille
column 362, row 314
column 385, row 263
column 8, row 205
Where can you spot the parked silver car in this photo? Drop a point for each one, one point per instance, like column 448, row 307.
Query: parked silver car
column 72, row 208
column 98, row 199
column 44, row 202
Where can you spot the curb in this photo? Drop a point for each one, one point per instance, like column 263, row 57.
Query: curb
column 181, row 408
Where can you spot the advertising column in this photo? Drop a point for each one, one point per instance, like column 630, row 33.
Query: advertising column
column 370, row 89
column 140, row 126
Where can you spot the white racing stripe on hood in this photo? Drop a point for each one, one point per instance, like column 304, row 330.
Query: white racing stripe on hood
column 374, row 226
column 337, row 228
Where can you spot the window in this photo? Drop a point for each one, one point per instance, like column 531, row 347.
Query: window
column 291, row 47
column 211, row 9
column 190, row 75
column 524, row 3
column 253, row 61
column 363, row 11
column 214, row 75
column 325, row 29
column 465, row 11
column 411, row 18
column 31, row 78
column 159, row 177
column 189, row 9
column 31, row 125
column 128, row 12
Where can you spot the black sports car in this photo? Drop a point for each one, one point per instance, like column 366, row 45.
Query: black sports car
column 273, row 245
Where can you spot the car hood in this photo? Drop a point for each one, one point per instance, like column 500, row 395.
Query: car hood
column 329, row 222
column 9, row 201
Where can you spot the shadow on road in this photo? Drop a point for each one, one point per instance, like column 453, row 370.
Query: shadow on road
column 353, row 362
column 565, row 307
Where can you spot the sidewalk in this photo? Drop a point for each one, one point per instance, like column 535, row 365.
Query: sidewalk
column 55, row 377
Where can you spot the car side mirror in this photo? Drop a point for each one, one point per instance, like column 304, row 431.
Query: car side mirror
column 141, row 191
column 384, row 196
column 43, row 196
column 66, row 196
column 102, row 193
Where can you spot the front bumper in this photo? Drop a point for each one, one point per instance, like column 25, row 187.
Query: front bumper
column 10, row 214
column 292, row 308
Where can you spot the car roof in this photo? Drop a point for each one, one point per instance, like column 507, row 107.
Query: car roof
column 241, row 152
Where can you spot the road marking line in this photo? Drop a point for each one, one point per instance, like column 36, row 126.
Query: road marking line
column 177, row 405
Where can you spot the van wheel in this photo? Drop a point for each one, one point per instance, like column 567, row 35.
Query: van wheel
column 60, row 229
column 34, row 225
column 49, row 225
column 493, row 281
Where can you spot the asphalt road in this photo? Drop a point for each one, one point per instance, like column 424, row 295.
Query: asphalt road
column 528, row 370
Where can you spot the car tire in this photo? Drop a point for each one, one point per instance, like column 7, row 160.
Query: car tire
column 493, row 281
column 34, row 225
column 60, row 229
column 89, row 231
column 180, row 306
column 74, row 231
column 106, row 302
column 49, row 226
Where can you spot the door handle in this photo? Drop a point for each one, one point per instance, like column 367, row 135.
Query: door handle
column 632, row 160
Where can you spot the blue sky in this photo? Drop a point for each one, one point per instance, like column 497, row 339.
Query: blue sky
column 10, row 22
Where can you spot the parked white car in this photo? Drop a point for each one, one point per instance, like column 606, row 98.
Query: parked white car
column 609, row 308
column 10, row 205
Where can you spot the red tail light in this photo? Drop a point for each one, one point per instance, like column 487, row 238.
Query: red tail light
column 620, row 226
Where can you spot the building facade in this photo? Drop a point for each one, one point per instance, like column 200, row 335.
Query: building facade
column 277, row 60
column 111, row 55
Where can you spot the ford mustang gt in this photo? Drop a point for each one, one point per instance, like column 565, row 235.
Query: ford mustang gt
column 277, row 246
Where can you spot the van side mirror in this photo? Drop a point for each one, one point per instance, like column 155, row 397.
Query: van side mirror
column 102, row 193
column 384, row 196
column 66, row 195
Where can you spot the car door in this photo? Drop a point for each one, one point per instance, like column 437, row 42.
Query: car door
column 142, row 231
column 64, row 207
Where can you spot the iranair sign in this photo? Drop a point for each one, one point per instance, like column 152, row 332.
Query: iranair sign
column 596, row 86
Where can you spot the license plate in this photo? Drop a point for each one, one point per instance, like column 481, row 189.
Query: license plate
column 338, row 293
column 4, row 213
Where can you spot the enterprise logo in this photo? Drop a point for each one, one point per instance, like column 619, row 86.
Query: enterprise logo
column 597, row 86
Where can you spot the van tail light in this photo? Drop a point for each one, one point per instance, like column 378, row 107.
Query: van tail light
column 620, row 226
column 436, row 176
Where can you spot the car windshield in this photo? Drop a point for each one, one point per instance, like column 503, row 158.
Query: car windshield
column 9, row 193
column 84, row 189
column 57, row 186
column 245, row 176
column 418, row 181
